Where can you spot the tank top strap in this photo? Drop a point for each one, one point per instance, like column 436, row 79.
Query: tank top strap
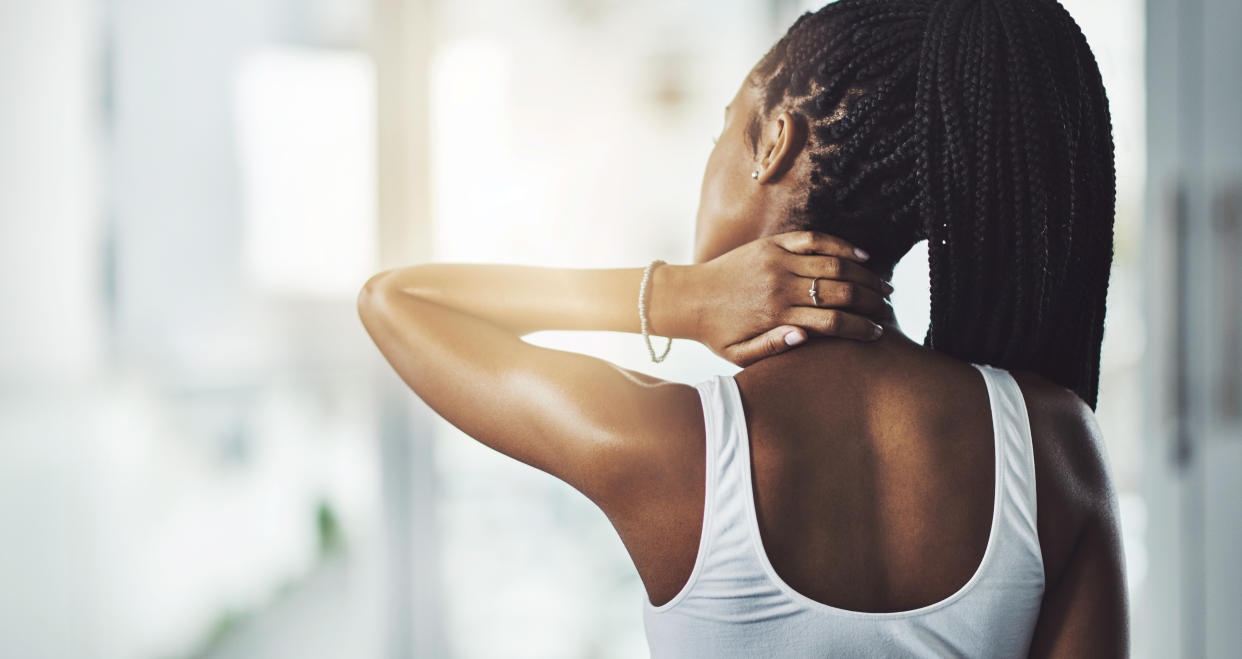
column 729, row 471
column 728, row 454
column 1016, row 498
column 726, row 563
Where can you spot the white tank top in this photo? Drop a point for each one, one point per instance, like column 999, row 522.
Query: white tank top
column 735, row 605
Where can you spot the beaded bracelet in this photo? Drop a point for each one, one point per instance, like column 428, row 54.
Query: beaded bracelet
column 642, row 313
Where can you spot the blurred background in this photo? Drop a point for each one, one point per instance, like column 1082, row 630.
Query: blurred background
column 202, row 454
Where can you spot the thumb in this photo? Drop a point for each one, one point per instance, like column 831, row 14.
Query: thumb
column 772, row 342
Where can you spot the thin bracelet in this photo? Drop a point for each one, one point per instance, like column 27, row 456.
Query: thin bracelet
column 642, row 313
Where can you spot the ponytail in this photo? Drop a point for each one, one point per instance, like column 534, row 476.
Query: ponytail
column 982, row 127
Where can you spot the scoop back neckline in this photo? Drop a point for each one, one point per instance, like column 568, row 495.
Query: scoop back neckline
column 998, row 482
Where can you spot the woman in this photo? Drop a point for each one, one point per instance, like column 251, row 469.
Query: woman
column 874, row 496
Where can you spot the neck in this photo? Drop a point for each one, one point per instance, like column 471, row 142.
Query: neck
column 886, row 317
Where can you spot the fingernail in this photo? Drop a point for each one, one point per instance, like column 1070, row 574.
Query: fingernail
column 877, row 330
column 862, row 253
column 794, row 338
column 888, row 288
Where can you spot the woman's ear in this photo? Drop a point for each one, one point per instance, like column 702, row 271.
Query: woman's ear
column 780, row 143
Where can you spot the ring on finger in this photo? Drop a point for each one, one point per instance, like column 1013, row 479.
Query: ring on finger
column 814, row 293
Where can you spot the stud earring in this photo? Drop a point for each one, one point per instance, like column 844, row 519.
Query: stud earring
column 755, row 174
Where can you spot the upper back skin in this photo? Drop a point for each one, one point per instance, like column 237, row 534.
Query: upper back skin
column 873, row 468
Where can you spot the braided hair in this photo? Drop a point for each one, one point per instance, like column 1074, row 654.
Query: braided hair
column 982, row 127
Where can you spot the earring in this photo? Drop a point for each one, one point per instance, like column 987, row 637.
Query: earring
column 755, row 174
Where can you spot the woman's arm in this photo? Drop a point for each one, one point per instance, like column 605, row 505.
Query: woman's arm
column 523, row 299
column 452, row 332
column 1084, row 612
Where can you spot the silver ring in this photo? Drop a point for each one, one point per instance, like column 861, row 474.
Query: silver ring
column 813, row 292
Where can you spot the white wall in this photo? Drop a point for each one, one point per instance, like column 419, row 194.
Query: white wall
column 49, row 330
column 50, row 335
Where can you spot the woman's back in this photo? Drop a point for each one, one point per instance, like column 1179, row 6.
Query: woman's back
column 878, row 477
column 874, row 475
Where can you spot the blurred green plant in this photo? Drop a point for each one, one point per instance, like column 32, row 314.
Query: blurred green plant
column 328, row 528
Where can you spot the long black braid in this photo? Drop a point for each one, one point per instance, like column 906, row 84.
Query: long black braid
column 982, row 127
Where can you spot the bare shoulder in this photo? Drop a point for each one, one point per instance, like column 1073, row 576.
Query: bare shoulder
column 1085, row 612
column 1073, row 482
column 1067, row 439
column 660, row 452
column 655, row 498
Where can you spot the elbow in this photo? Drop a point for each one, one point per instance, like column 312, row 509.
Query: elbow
column 371, row 299
column 386, row 290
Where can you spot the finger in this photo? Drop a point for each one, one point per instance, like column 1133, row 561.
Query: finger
column 833, row 294
column 832, row 267
column 833, row 322
column 817, row 242
column 772, row 342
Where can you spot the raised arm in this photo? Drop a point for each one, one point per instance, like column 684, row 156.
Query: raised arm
column 452, row 332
